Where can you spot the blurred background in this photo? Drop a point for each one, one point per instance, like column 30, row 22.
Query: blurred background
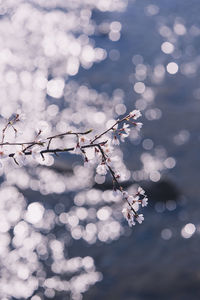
column 80, row 64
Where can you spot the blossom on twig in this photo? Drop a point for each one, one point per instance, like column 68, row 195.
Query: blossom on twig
column 102, row 156
column 129, row 216
column 141, row 191
column 139, row 218
column 132, row 199
column 115, row 141
column 135, row 114
column 102, row 169
column 144, row 201
column 125, row 131
column 36, row 150
column 138, row 125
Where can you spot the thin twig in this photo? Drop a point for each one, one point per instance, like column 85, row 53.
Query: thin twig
column 110, row 128
column 61, row 150
column 119, row 187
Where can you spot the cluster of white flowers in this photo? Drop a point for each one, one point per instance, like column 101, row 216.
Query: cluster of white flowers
column 125, row 130
column 132, row 202
column 131, row 217
column 132, row 206
column 135, row 114
column 102, row 169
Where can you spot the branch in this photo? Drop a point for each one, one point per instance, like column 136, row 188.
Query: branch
column 130, row 212
column 54, row 151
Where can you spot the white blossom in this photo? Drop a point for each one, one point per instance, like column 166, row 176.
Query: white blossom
column 126, row 128
column 102, row 169
column 138, row 125
column 35, row 151
column 42, row 127
column 115, row 141
column 98, row 157
column 135, row 114
column 129, row 216
column 136, row 205
column 139, row 218
column 132, row 199
column 125, row 132
column 123, row 136
column 108, row 149
column 141, row 191
column 144, row 201
column 111, row 162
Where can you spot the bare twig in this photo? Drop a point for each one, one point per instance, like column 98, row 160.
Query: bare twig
column 54, row 151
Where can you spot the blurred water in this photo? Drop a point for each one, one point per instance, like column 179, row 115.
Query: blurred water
column 58, row 249
column 144, row 266
column 173, row 110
